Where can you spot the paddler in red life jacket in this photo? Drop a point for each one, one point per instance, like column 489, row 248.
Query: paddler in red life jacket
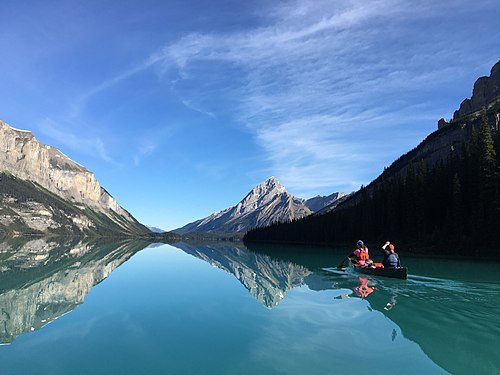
column 360, row 254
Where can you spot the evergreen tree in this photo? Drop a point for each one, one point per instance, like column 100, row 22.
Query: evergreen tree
column 483, row 169
column 486, row 151
column 497, row 138
column 458, row 207
column 496, row 202
column 474, row 143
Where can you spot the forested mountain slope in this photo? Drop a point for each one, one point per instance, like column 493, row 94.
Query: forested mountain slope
column 444, row 193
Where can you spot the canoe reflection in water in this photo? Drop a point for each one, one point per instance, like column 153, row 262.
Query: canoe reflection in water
column 367, row 287
column 364, row 289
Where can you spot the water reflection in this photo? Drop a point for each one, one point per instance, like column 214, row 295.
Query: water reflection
column 43, row 279
column 266, row 279
column 456, row 323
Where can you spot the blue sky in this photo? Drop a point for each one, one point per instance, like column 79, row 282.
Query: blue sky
column 181, row 107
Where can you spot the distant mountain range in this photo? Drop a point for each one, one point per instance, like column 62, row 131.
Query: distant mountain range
column 156, row 230
column 42, row 191
column 265, row 204
column 320, row 203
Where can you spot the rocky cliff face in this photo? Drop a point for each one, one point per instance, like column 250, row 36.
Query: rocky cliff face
column 266, row 203
column 486, row 93
column 22, row 155
column 27, row 159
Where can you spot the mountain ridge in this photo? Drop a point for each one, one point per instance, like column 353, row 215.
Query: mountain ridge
column 451, row 139
column 485, row 93
column 45, row 192
column 266, row 203
column 28, row 159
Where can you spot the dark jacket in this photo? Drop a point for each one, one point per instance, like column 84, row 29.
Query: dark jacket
column 391, row 260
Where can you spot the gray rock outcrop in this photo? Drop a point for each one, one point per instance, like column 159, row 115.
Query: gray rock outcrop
column 486, row 92
column 442, row 123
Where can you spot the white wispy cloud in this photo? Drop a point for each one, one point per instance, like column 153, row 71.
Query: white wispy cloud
column 150, row 139
column 146, row 148
column 195, row 107
column 313, row 81
column 80, row 102
column 76, row 140
column 310, row 82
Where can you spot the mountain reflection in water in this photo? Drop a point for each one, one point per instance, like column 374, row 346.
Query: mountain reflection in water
column 43, row 279
column 452, row 318
column 456, row 323
column 266, row 279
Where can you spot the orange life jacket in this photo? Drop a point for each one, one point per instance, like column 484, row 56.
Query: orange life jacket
column 363, row 255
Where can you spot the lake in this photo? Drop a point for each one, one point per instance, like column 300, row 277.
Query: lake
column 76, row 307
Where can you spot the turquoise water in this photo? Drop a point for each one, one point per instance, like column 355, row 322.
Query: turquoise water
column 78, row 308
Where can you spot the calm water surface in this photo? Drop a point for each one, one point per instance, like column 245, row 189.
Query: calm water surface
column 124, row 308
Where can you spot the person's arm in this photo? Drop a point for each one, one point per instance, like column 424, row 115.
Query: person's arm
column 384, row 250
column 353, row 257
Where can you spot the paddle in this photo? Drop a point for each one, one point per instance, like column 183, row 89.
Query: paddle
column 341, row 265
